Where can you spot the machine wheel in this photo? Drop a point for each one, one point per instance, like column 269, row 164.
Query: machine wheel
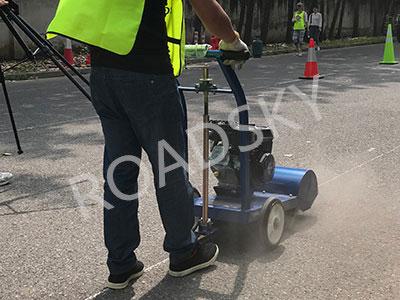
column 272, row 223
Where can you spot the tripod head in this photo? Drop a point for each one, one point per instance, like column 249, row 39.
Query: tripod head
column 11, row 6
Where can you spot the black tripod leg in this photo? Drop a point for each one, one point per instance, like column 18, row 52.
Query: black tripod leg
column 7, row 98
column 70, row 77
column 46, row 48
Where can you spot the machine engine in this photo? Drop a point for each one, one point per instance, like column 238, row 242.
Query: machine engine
column 262, row 162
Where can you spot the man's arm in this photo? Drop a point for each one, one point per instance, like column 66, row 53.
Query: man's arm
column 215, row 19
column 320, row 22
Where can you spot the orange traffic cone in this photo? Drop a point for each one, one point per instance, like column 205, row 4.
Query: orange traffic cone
column 311, row 66
column 68, row 55
column 88, row 61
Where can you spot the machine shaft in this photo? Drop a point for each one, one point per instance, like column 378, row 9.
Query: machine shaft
column 206, row 150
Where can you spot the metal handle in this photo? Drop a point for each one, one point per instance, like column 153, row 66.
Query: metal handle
column 206, row 151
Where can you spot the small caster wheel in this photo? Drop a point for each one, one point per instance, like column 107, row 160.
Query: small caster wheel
column 272, row 223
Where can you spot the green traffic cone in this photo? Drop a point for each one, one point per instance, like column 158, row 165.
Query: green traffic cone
column 388, row 57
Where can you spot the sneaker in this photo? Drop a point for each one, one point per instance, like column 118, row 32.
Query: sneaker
column 318, row 48
column 300, row 53
column 5, row 178
column 121, row 281
column 203, row 256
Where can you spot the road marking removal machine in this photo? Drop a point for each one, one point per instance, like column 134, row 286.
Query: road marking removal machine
column 250, row 188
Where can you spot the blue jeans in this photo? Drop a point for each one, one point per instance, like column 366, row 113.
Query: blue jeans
column 314, row 33
column 136, row 112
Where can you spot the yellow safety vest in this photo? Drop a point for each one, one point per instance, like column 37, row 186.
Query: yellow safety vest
column 114, row 25
column 300, row 22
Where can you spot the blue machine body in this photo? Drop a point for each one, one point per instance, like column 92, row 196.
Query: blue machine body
column 295, row 188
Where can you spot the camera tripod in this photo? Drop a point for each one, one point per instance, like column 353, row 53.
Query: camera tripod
column 10, row 16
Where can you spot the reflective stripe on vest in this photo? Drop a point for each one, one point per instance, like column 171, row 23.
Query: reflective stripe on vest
column 300, row 23
column 114, row 25
column 175, row 21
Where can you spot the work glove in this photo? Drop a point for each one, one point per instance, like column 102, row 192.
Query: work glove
column 234, row 54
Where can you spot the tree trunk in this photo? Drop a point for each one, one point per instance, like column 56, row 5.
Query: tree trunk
column 375, row 12
column 233, row 6
column 325, row 14
column 289, row 28
column 334, row 20
column 197, row 24
column 387, row 9
column 249, row 22
column 356, row 18
column 340, row 26
column 265, row 22
column 242, row 15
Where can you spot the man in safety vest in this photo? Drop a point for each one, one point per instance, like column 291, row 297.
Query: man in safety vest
column 300, row 23
column 137, row 48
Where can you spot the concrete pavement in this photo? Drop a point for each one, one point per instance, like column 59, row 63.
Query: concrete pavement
column 346, row 247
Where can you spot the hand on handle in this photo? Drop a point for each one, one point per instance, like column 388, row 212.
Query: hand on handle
column 236, row 52
column 3, row 2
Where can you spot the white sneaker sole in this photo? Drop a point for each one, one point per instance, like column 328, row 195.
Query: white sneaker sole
column 5, row 182
column 120, row 286
column 195, row 268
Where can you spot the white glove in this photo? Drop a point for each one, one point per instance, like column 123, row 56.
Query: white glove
column 237, row 46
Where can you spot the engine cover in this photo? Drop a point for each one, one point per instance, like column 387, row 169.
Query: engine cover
column 227, row 171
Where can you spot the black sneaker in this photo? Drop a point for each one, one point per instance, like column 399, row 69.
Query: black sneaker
column 203, row 257
column 121, row 281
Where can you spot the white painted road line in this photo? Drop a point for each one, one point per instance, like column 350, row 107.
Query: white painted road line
column 322, row 184
column 359, row 166
column 105, row 290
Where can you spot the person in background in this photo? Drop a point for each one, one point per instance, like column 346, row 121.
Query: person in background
column 299, row 28
column 315, row 26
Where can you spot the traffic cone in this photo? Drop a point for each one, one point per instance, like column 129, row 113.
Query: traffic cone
column 88, row 61
column 68, row 55
column 388, row 57
column 311, row 71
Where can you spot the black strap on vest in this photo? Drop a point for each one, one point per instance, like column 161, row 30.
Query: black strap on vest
column 173, row 41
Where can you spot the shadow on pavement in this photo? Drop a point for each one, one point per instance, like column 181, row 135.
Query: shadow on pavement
column 238, row 247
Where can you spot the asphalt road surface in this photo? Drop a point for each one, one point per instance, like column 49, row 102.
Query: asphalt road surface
column 346, row 247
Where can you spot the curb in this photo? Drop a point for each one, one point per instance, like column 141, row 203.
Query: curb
column 43, row 74
column 190, row 62
column 327, row 47
column 84, row 71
